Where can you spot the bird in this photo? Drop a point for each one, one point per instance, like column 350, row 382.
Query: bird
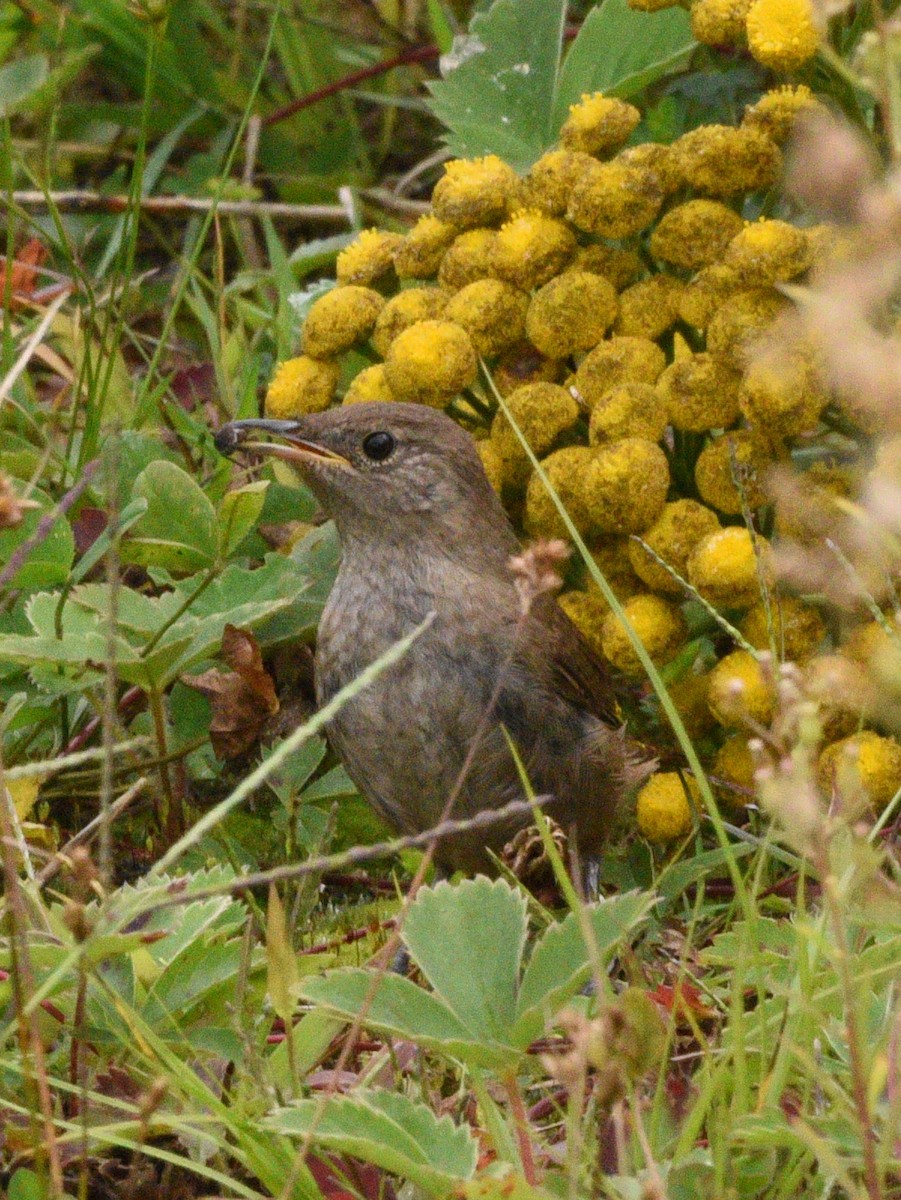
column 423, row 532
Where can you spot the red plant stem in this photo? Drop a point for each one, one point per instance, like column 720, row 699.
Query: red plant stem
column 416, row 54
column 346, row 939
column 523, row 1133
column 129, row 698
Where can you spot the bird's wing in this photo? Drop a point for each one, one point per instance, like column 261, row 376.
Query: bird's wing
column 577, row 673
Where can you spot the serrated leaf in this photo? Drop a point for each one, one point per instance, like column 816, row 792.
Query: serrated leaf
column 560, row 964
column 499, row 99
column 619, row 51
column 238, row 514
column 178, row 530
column 468, row 941
column 389, row 1130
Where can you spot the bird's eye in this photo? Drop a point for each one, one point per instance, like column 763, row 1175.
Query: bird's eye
column 378, row 446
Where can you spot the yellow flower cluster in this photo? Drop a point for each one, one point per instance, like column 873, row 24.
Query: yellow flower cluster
column 781, row 34
column 625, row 311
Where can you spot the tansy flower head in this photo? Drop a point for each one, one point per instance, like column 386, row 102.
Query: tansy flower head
column 467, row 259
column 628, row 410
column 797, row 628
column 729, row 567
column 673, row 537
column 586, row 610
column 369, row 258
column 782, row 34
column 656, row 163
column 492, row 313
column 405, row 309
column 493, row 464
column 619, row 267
column 430, row 362
column 694, row 234
column 740, row 321
column 627, row 485
column 719, row 22
column 740, row 691
column 721, row 161
column 419, row 254
column 776, row 111
column 782, row 395
column 614, row 200
column 598, row 124
column 734, row 763
column 767, row 251
column 662, row 809
column 863, row 767
column 660, row 630
column 840, row 690
column 475, row 191
column 299, row 386
column 523, row 364
column 340, row 319
column 572, row 312
column 704, row 295
column 611, row 557
column 700, row 393
column 369, row 385
column 618, row 360
column 738, row 453
column 543, row 411
column 531, row 248
column 689, row 695
column 650, row 307
column 551, row 179
column 567, row 471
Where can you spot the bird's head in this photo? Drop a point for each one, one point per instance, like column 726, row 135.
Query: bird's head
column 383, row 470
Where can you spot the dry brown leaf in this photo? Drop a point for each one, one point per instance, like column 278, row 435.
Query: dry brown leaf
column 242, row 699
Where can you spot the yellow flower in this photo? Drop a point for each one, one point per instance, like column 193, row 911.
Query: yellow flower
column 491, row 312
column 841, row 691
column 660, row 630
column 734, row 763
column 543, row 411
column 706, row 293
column 369, row 258
column 719, row 22
column 430, row 362
column 797, row 628
column 864, row 766
column 722, row 161
column 627, row 485
column 740, row 691
column 715, row 476
column 782, row 34
column 467, row 259
column 369, row 385
column 628, row 410
column 777, row 110
column 618, row 360
column 523, row 364
column 740, row 321
column 783, row 395
column 300, row 386
column 673, row 536
column 611, row 557
column 831, row 247
column 694, row 234
column 531, row 249
column 663, row 810
column 804, row 514
column 619, row 267
column 598, row 124
column 650, row 307
column 475, row 191
column 420, row 253
column 614, row 201
column 700, row 393
column 571, row 312
column 586, row 610
column 767, row 251
column 690, row 694
column 405, row 309
column 494, row 465
column 566, row 470
column 656, row 163
column 726, row 567
column 551, row 179
column 340, row 319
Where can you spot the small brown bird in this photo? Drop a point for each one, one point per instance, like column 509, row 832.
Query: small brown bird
column 421, row 532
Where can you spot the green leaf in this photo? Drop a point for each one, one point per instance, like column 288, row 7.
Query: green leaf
column 178, row 530
column 238, row 514
column 26, row 1185
column 468, row 941
column 499, row 98
column 561, row 964
column 389, row 1130
column 50, row 560
column 18, row 79
column 507, row 1185
column 282, row 973
column 619, row 51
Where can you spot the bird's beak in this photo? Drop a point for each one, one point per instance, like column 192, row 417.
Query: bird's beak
column 293, row 448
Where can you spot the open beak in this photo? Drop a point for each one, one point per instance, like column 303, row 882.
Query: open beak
column 292, row 448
